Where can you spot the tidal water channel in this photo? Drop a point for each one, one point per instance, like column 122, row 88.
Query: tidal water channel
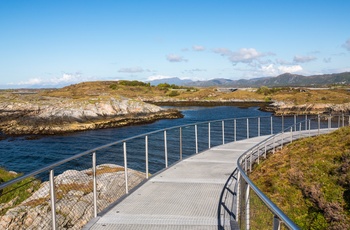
column 26, row 154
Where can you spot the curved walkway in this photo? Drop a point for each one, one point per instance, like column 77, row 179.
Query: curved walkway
column 185, row 196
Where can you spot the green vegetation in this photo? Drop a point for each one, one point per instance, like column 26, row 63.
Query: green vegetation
column 133, row 83
column 16, row 193
column 173, row 93
column 268, row 91
column 310, row 180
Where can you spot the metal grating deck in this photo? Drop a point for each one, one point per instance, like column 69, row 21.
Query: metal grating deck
column 185, row 196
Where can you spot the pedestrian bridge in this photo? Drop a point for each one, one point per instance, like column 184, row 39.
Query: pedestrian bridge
column 203, row 186
column 185, row 196
column 188, row 195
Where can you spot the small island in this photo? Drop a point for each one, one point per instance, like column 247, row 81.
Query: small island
column 108, row 104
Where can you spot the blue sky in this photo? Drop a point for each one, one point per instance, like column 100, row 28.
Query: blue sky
column 55, row 43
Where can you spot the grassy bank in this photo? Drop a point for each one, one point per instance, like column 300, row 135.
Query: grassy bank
column 310, row 180
column 16, row 193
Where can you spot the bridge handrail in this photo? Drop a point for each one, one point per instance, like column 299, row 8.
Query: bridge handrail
column 90, row 151
column 93, row 152
column 271, row 205
column 279, row 215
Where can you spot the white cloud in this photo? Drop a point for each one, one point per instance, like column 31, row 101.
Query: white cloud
column 175, row 58
column 32, row 81
column 158, row 77
column 290, row 69
column 303, row 59
column 131, row 70
column 269, row 70
column 346, row 45
column 198, row 48
column 65, row 79
column 274, row 70
column 244, row 55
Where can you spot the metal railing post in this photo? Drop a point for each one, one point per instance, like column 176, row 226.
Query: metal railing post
column 276, row 223
column 53, row 199
column 223, row 132
column 247, row 208
column 209, row 135
column 235, row 129
column 282, row 141
column 125, row 169
column 318, row 123
column 250, row 160
column 258, row 126
column 305, row 121
column 282, row 123
column 271, row 125
column 180, row 143
column 196, row 137
column 238, row 195
column 165, row 150
column 94, row 183
column 295, row 122
column 343, row 119
column 291, row 133
column 247, row 128
column 146, row 155
column 300, row 130
column 309, row 127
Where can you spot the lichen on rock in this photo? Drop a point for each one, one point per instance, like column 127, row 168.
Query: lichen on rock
column 74, row 198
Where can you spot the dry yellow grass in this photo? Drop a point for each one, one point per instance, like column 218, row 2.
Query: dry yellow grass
column 309, row 180
column 98, row 90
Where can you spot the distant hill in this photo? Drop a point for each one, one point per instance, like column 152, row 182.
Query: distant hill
column 285, row 79
column 173, row 80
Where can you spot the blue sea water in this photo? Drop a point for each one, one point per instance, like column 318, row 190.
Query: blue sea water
column 21, row 154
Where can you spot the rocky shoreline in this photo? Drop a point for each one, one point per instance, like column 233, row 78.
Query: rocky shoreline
column 278, row 108
column 52, row 116
column 285, row 108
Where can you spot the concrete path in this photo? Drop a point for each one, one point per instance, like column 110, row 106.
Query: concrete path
column 185, row 196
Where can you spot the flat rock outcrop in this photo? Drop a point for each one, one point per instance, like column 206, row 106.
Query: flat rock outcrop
column 60, row 115
column 285, row 108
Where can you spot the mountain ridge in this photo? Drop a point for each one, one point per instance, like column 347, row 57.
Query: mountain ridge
column 286, row 79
